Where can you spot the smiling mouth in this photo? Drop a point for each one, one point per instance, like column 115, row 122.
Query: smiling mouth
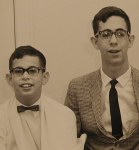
column 26, row 85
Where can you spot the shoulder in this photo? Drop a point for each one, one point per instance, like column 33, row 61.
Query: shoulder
column 135, row 74
column 135, row 71
column 58, row 108
column 90, row 78
column 4, row 106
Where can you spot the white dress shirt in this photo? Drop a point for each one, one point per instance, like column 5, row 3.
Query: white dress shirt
column 31, row 124
column 127, row 102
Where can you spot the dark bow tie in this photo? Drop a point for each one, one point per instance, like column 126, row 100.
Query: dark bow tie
column 24, row 108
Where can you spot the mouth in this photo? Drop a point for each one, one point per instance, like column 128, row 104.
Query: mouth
column 26, row 85
column 114, row 51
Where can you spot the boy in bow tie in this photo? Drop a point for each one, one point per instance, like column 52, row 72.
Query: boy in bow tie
column 30, row 120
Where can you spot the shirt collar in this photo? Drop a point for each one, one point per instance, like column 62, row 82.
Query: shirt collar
column 122, row 80
column 105, row 78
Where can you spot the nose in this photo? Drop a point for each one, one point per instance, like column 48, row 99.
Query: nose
column 25, row 75
column 113, row 39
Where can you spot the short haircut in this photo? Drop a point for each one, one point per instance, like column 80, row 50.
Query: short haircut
column 22, row 51
column 107, row 12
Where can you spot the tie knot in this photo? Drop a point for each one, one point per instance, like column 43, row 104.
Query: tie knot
column 113, row 82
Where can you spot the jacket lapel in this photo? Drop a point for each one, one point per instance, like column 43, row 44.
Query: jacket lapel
column 50, row 128
column 50, row 132
column 135, row 81
column 58, row 130
column 23, row 143
column 44, row 126
column 96, row 100
column 96, row 96
column 95, row 90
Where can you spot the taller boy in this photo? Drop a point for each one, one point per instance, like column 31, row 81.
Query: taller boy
column 106, row 102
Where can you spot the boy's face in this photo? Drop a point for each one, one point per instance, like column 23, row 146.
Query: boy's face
column 27, row 86
column 114, row 49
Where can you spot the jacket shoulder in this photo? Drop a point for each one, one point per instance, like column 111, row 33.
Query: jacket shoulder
column 4, row 106
column 59, row 109
column 135, row 72
column 92, row 78
column 135, row 78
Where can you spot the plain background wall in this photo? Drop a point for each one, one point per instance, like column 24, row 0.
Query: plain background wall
column 61, row 29
column 6, row 44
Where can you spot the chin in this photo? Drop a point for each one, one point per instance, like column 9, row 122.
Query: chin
column 116, row 62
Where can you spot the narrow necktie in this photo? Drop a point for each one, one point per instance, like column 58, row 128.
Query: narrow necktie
column 24, row 108
column 116, row 121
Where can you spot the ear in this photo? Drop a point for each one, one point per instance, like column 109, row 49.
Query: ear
column 131, row 40
column 94, row 42
column 45, row 78
column 9, row 79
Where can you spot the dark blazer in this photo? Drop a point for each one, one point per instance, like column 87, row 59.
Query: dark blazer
column 84, row 98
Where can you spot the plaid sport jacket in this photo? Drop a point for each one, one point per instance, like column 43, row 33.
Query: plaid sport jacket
column 84, row 98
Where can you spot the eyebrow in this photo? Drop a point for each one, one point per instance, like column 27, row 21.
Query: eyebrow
column 121, row 29
column 27, row 67
column 114, row 30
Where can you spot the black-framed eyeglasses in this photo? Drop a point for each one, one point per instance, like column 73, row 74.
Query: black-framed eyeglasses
column 32, row 71
column 107, row 34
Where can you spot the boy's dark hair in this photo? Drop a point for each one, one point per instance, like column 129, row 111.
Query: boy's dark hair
column 22, row 51
column 107, row 12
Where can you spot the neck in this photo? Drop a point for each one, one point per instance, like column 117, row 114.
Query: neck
column 28, row 101
column 114, row 71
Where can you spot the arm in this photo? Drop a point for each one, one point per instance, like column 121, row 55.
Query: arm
column 72, row 103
